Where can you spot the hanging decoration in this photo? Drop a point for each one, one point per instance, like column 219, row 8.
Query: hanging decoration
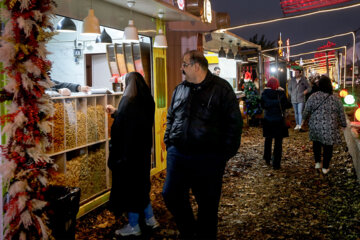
column 293, row 6
column 25, row 165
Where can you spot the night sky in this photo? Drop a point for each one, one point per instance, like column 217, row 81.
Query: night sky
column 298, row 30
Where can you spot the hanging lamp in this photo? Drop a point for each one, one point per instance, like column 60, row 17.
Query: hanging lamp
column 222, row 53
column 91, row 24
column 66, row 25
column 244, row 59
column 230, row 54
column 130, row 32
column 238, row 57
column 160, row 40
column 104, row 37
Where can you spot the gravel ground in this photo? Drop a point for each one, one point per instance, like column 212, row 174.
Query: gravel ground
column 295, row 202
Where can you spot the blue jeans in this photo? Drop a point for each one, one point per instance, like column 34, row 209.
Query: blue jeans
column 298, row 108
column 202, row 173
column 134, row 217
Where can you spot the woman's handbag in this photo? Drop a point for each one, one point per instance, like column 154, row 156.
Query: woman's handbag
column 286, row 122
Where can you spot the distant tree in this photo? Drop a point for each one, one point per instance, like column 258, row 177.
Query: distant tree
column 264, row 43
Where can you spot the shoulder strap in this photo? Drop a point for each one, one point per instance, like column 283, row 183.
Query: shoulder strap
column 320, row 104
column 282, row 113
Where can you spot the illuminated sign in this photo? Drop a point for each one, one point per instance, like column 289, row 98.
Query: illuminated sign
column 322, row 55
column 293, row 6
column 280, row 42
column 181, row 4
column 288, row 49
column 207, row 14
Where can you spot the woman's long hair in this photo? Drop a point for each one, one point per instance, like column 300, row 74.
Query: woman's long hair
column 325, row 85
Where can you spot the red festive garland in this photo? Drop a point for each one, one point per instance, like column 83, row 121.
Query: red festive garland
column 26, row 165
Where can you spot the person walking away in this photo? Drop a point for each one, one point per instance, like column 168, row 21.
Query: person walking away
column 326, row 115
column 130, row 155
column 314, row 82
column 298, row 88
column 274, row 102
column 203, row 132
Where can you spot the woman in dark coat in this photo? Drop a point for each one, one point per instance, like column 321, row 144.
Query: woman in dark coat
column 326, row 117
column 274, row 102
column 130, row 154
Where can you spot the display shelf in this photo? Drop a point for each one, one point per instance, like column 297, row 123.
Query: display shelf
column 80, row 146
column 76, row 148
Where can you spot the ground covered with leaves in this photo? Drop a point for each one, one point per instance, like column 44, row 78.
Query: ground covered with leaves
column 295, row 202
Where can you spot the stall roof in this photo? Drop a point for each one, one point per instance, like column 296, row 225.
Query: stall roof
column 213, row 43
column 151, row 8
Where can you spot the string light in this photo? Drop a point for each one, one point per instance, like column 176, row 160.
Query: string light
column 329, row 49
column 291, row 17
column 310, row 41
column 325, row 38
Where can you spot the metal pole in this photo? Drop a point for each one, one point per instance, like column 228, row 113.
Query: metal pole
column 345, row 67
column 353, row 63
column 339, row 56
column 327, row 63
column 277, row 65
column 261, row 71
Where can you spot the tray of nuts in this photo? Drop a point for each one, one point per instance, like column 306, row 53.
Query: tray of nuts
column 100, row 118
column 91, row 124
column 58, row 128
column 70, row 124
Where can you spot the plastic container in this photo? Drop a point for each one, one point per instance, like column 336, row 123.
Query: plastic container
column 62, row 210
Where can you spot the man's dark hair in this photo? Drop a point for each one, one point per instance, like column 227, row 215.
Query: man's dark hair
column 325, row 85
column 196, row 56
column 216, row 68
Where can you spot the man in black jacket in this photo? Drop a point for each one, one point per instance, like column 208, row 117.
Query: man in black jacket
column 203, row 132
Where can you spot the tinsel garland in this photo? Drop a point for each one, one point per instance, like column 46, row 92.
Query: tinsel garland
column 26, row 166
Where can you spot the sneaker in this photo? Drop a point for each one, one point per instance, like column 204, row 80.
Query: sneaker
column 129, row 230
column 296, row 127
column 152, row 223
column 317, row 165
column 325, row 170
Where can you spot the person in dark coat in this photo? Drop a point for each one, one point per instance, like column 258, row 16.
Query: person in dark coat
column 203, row 132
column 130, row 154
column 274, row 102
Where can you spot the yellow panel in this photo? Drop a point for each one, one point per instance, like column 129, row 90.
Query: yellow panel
column 160, row 86
column 212, row 59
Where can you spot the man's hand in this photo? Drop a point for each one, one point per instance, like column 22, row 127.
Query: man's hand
column 305, row 92
column 110, row 109
column 84, row 89
column 64, row 91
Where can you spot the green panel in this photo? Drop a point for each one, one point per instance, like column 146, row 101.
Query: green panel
column 160, row 83
column 2, row 105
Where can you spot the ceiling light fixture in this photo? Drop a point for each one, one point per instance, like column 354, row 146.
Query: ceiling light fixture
column 130, row 32
column 222, row 53
column 104, row 37
column 230, row 54
column 66, row 25
column 238, row 57
column 160, row 40
column 91, row 24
